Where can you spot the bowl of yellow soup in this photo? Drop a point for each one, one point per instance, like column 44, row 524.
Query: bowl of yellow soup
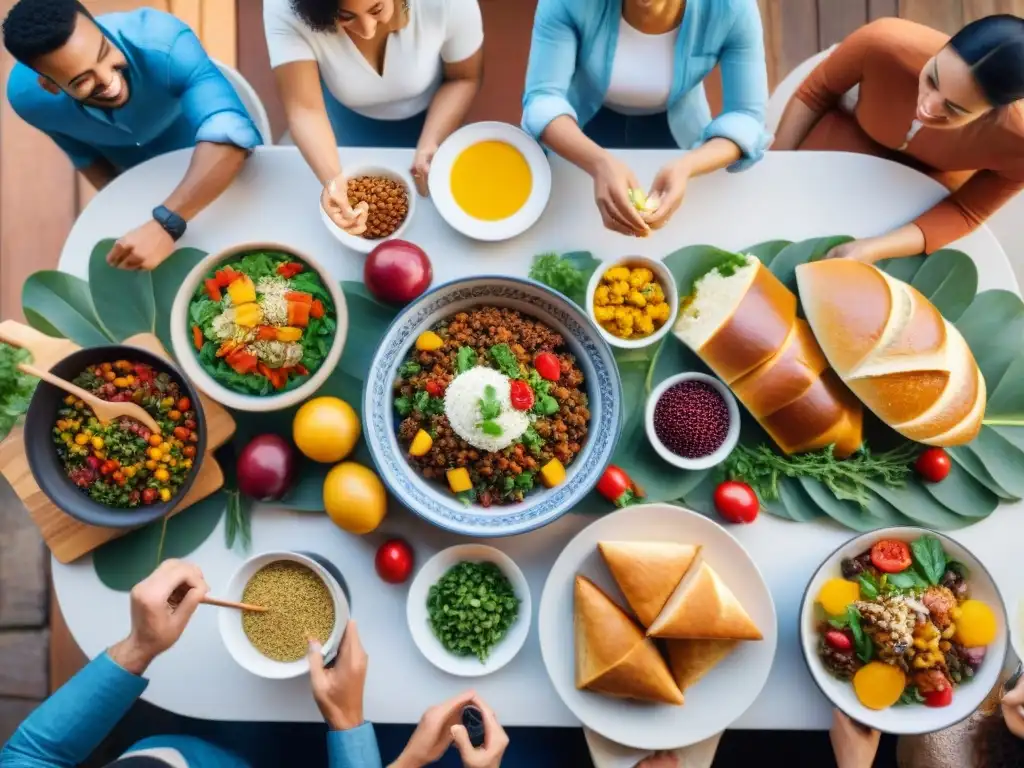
column 490, row 181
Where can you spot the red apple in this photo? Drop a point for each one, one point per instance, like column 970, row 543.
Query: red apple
column 397, row 271
column 394, row 561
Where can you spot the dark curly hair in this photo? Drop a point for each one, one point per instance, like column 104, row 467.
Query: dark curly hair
column 318, row 15
column 34, row 28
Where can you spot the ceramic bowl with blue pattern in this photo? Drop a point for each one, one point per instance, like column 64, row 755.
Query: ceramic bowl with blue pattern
column 432, row 500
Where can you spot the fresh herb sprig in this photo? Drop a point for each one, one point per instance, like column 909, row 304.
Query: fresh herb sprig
column 471, row 609
column 490, row 409
column 557, row 273
column 16, row 388
column 762, row 468
column 862, row 643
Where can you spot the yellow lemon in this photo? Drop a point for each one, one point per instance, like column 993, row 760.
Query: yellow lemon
column 326, row 429
column 977, row 625
column 354, row 498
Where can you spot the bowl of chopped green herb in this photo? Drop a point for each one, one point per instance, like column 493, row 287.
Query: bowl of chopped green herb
column 469, row 610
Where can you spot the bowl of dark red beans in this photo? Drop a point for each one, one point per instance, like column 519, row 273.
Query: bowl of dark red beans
column 692, row 420
column 116, row 474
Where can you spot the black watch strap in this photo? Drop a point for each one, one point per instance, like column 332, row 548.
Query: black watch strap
column 172, row 223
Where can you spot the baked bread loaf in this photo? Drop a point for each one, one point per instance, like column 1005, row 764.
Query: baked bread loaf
column 704, row 608
column 690, row 660
column 647, row 572
column 741, row 321
column 894, row 349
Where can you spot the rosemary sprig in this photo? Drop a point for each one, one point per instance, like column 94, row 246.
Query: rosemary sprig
column 238, row 525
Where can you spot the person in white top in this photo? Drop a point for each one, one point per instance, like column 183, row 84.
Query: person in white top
column 391, row 73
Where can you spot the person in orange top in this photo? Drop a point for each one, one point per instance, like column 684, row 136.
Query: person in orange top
column 947, row 106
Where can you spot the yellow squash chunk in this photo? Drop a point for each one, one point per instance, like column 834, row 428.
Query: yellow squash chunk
column 242, row 291
column 428, row 341
column 977, row 624
column 288, row 333
column 836, row 594
column 552, row 473
column 248, row 315
column 879, row 685
column 458, row 480
column 421, row 444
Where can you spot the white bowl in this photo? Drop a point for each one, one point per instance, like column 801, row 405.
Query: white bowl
column 911, row 719
column 668, row 285
column 423, row 635
column 185, row 353
column 731, row 437
column 230, row 620
column 362, row 244
column 478, row 229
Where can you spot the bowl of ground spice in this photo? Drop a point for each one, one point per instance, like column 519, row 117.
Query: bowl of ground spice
column 390, row 198
column 692, row 421
column 304, row 600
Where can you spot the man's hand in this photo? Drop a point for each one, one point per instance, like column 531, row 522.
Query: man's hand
column 143, row 248
column 433, row 735
column 161, row 606
column 495, row 741
column 854, row 745
column 338, row 691
column 421, row 167
column 669, row 189
column 1013, row 709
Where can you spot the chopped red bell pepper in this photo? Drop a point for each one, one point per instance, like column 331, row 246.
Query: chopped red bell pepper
column 242, row 361
column 301, row 370
column 289, row 269
column 299, row 297
column 197, row 338
column 226, row 348
column 298, row 314
column 213, row 289
column 266, row 333
column 316, row 309
column 226, row 276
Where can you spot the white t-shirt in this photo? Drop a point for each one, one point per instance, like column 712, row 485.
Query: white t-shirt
column 641, row 71
column 438, row 31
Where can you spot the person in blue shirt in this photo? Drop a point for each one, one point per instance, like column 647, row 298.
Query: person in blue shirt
column 119, row 89
column 628, row 74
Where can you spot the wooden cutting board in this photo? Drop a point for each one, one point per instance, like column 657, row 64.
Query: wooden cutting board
column 67, row 538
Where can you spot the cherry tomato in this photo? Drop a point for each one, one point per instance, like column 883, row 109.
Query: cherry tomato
column 520, row 394
column 736, row 502
column 941, row 698
column 181, row 433
column 933, row 465
column 838, row 640
column 149, row 496
column 394, row 561
column 435, row 388
column 616, row 486
column 891, row 556
column 547, row 366
column 184, row 404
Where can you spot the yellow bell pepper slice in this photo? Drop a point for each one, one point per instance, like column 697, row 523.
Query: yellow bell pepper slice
column 421, row 444
column 552, row 473
column 248, row 315
column 287, row 333
column 458, row 480
column 242, row 290
column 428, row 341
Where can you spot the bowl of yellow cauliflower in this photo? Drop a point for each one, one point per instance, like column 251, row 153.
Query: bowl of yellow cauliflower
column 632, row 301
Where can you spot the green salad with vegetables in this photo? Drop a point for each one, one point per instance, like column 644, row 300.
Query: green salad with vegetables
column 471, row 609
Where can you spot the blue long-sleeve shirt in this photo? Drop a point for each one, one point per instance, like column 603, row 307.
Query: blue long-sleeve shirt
column 177, row 98
column 573, row 50
column 68, row 726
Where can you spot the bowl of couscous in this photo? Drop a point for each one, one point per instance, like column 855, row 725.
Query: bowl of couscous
column 633, row 301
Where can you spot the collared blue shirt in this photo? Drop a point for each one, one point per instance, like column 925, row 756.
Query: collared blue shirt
column 573, row 49
column 177, row 97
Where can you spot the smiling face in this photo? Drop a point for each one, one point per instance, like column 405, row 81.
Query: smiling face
column 948, row 96
column 363, row 17
column 88, row 67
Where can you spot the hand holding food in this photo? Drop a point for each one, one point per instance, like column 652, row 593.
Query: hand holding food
column 1012, row 705
column 612, row 181
column 433, row 734
column 668, row 189
column 854, row 745
column 143, row 248
column 338, row 691
column 495, row 741
column 335, row 201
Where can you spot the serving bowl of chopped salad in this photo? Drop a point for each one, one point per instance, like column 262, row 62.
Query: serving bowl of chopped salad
column 904, row 630
column 259, row 327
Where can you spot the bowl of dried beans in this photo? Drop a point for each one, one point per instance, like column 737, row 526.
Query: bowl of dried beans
column 388, row 196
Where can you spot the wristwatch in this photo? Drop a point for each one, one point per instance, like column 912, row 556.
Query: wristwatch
column 172, row 223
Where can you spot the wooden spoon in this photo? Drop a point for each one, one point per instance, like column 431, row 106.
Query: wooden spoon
column 230, row 604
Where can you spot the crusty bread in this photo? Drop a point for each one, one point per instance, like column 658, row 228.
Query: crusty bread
column 753, row 340
column 690, row 660
column 893, row 348
column 613, row 657
column 647, row 572
column 703, row 607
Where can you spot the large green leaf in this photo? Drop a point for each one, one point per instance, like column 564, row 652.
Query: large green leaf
column 124, row 298
column 767, row 251
column 902, row 269
column 56, row 301
column 1003, row 460
column 950, row 280
column 693, row 262
column 800, row 506
column 368, row 320
column 784, row 265
column 973, row 466
column 993, row 327
column 167, row 279
column 1006, row 400
column 917, row 504
column 124, row 562
column 964, row 495
column 877, row 514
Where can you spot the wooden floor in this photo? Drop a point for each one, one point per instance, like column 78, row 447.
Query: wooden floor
column 40, row 197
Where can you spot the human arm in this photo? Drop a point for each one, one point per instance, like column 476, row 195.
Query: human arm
column 488, row 754
column 433, row 735
column 99, row 173
column 68, row 726
column 853, row 745
column 1012, row 705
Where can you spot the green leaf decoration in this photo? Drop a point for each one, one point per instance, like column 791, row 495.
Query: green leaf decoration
column 993, row 327
column 902, row 269
column 585, row 262
column 693, row 262
column 1003, row 460
column 767, row 251
column 167, row 279
column 877, row 514
column 920, row 506
column 373, row 319
column 122, row 563
column 1005, row 405
column 962, row 494
column 784, row 265
column 59, row 304
column 124, row 297
column 973, row 466
column 949, row 279
column 800, row 506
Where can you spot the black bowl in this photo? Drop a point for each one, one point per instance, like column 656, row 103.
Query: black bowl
column 46, row 465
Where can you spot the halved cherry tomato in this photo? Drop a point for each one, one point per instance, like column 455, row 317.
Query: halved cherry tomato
column 520, row 394
column 547, row 366
column 213, row 289
column 891, row 556
column 435, row 388
column 941, row 698
column 838, row 640
column 289, row 269
column 316, row 309
column 616, row 486
column 933, row 465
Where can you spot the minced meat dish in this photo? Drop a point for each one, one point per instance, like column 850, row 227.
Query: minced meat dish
column 491, row 402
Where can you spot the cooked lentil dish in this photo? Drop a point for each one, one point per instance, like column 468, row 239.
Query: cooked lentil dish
column 300, row 607
column 387, row 201
column 492, row 403
column 123, row 464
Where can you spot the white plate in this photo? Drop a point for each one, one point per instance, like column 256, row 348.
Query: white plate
column 713, row 704
column 478, row 229
column 909, row 719
column 419, row 626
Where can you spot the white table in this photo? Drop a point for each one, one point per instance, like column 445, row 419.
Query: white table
column 788, row 196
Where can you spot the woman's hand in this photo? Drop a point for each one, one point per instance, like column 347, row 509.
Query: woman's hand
column 334, row 200
column 421, row 167
column 669, row 189
column 612, row 181
column 1013, row 709
column 854, row 745
column 338, row 691
column 489, row 754
column 433, row 735
column 857, row 250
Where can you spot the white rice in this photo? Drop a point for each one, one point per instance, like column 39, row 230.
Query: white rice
column 715, row 298
column 462, row 407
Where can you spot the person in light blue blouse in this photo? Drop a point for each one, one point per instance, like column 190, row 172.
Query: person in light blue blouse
column 118, row 89
column 628, row 74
